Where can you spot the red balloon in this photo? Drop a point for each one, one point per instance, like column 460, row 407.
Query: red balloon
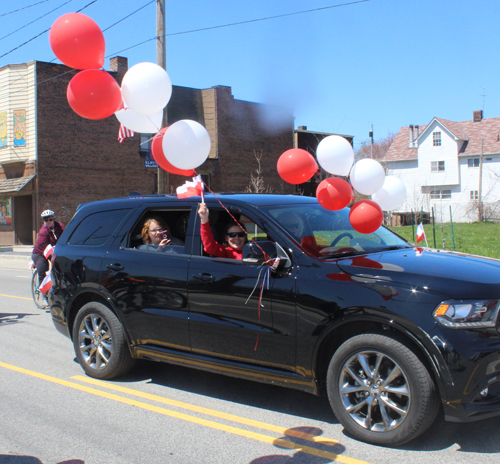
column 366, row 216
column 159, row 157
column 77, row 41
column 94, row 94
column 334, row 193
column 296, row 166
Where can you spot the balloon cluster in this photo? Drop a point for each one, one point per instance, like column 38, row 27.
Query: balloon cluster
column 138, row 105
column 336, row 156
column 79, row 43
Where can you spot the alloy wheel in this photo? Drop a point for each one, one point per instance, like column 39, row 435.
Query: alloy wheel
column 375, row 391
column 95, row 341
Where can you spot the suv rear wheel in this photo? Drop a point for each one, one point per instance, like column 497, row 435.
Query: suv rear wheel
column 380, row 391
column 100, row 343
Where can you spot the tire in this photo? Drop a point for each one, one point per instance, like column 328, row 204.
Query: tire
column 380, row 391
column 100, row 343
column 40, row 303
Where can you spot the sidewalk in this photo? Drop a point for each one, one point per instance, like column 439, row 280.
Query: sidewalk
column 15, row 257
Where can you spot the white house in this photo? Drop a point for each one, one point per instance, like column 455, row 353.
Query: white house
column 452, row 167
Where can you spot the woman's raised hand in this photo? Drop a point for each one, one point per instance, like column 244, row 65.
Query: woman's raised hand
column 203, row 213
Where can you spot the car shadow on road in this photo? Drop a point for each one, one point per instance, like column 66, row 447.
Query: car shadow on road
column 259, row 395
column 472, row 437
column 12, row 318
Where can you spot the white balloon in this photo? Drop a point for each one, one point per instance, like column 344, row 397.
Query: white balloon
column 186, row 144
column 139, row 122
column 335, row 155
column 367, row 176
column 146, row 88
column 392, row 194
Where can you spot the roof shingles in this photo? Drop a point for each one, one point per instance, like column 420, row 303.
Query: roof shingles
column 473, row 132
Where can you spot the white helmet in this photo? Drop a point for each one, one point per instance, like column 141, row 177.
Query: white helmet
column 47, row 213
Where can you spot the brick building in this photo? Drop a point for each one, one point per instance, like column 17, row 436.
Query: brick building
column 52, row 158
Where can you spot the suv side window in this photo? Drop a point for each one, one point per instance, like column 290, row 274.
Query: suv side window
column 96, row 228
column 172, row 221
column 219, row 220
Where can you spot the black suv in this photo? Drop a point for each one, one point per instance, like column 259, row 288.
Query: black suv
column 391, row 332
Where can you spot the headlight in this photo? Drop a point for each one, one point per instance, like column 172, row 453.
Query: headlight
column 473, row 314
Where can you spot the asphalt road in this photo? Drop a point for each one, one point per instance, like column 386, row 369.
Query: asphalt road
column 50, row 412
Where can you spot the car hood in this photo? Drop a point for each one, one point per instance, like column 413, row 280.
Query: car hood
column 456, row 274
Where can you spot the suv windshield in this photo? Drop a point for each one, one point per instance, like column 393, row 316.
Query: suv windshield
column 323, row 233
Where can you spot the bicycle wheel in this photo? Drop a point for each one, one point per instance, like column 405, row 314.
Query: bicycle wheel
column 40, row 302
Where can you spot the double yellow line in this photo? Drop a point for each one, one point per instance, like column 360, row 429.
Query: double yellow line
column 280, row 442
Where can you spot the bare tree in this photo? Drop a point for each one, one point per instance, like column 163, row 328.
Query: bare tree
column 488, row 208
column 257, row 184
column 380, row 148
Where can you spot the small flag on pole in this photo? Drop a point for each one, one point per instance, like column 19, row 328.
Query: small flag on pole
column 123, row 133
column 191, row 188
column 48, row 251
column 46, row 284
column 421, row 234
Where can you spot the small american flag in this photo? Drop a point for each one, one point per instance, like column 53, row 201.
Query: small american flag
column 123, row 133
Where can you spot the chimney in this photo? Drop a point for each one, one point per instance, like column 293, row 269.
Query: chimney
column 119, row 65
column 417, row 129
column 302, row 128
column 411, row 136
column 478, row 115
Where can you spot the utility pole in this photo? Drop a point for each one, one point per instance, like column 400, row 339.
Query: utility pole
column 371, row 137
column 480, row 199
column 161, row 60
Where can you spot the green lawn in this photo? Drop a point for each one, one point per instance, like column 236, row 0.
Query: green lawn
column 476, row 238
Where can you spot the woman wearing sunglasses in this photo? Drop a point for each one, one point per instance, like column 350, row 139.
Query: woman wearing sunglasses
column 48, row 235
column 234, row 237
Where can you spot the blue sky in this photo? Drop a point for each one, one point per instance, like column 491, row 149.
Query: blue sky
column 389, row 63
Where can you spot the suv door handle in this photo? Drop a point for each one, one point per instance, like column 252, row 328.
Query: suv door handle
column 115, row 267
column 204, row 277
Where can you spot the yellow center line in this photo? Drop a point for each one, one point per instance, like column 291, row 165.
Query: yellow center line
column 209, row 412
column 196, row 420
column 20, row 297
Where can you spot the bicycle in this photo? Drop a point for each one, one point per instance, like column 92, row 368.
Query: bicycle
column 39, row 300
column 38, row 297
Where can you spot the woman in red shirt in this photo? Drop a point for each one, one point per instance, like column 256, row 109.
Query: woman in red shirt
column 48, row 235
column 234, row 237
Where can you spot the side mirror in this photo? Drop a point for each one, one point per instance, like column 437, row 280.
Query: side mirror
column 253, row 253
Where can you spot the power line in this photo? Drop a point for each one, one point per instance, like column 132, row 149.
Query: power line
column 24, row 8
column 43, row 32
column 241, row 22
column 265, row 19
column 128, row 16
column 34, row 21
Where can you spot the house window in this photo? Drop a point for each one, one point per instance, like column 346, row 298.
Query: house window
column 437, row 166
column 146, row 141
column 473, row 162
column 436, row 139
column 440, row 194
column 474, row 194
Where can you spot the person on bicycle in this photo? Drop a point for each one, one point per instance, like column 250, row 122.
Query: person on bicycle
column 48, row 234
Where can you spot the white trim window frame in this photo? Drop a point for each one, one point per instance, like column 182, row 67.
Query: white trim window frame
column 474, row 194
column 437, row 166
column 436, row 139
column 472, row 162
column 440, row 194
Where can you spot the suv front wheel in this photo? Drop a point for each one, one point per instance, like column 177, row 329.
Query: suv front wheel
column 380, row 391
column 100, row 343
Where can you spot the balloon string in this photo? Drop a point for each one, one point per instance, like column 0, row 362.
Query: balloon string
column 266, row 258
column 152, row 122
column 267, row 262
